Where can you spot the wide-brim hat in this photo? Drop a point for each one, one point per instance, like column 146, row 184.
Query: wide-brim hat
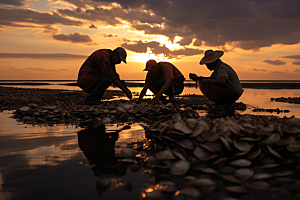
column 122, row 53
column 211, row 56
column 149, row 64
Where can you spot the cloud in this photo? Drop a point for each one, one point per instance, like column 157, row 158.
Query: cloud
column 249, row 24
column 13, row 2
column 74, row 38
column 108, row 35
column 42, row 56
column 279, row 72
column 297, row 70
column 296, row 57
column 258, row 70
column 275, row 62
column 156, row 48
column 296, row 63
column 93, row 26
column 22, row 17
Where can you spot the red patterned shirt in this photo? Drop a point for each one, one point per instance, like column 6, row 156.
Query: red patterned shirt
column 98, row 64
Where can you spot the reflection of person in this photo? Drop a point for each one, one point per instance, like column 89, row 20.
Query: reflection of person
column 223, row 86
column 162, row 78
column 98, row 72
column 98, row 147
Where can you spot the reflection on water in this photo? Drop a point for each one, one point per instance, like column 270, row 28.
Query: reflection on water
column 37, row 160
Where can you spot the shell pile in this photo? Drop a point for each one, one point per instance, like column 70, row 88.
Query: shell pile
column 108, row 113
column 224, row 158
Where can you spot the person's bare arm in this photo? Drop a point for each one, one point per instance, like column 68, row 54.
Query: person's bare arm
column 162, row 90
column 123, row 88
column 143, row 92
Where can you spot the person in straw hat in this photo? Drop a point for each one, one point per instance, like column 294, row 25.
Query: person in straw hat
column 98, row 72
column 162, row 78
column 223, row 86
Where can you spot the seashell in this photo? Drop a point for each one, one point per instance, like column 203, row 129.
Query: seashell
column 233, row 127
column 207, row 170
column 180, row 167
column 129, row 152
column 181, row 126
column 244, row 173
column 167, row 186
column 113, row 111
column 32, row 105
column 210, row 137
column 231, row 178
column 201, row 153
column 187, row 143
column 258, row 185
column 264, row 130
column 179, row 153
column 243, row 146
column 202, row 182
column 165, row 155
column 250, row 139
column 255, row 154
column 127, row 106
column 284, row 173
column 27, row 118
column 261, row 176
column 272, row 139
column 36, row 113
column 191, row 122
column 219, row 161
column 106, row 120
column 121, row 109
column 241, row 163
column 200, row 128
column 207, row 147
column 213, row 156
column 24, row 109
column 176, row 118
column 151, row 160
column 272, row 151
column 270, row 165
column 226, row 143
column 236, row 189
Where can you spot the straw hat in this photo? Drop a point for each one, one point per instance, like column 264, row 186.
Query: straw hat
column 122, row 53
column 149, row 64
column 211, row 56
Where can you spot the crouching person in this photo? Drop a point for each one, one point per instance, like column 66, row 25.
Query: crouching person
column 98, row 72
column 223, row 86
column 162, row 78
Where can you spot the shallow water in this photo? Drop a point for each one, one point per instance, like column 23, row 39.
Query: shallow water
column 39, row 162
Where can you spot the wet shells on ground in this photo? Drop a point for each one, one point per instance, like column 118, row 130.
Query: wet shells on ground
column 180, row 167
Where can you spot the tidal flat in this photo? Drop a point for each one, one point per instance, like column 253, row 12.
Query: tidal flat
column 54, row 146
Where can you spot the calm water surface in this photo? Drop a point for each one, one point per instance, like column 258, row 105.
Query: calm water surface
column 38, row 162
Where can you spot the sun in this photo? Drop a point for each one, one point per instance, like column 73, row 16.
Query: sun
column 144, row 57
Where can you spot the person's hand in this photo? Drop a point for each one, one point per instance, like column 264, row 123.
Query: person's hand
column 194, row 77
column 128, row 94
column 155, row 100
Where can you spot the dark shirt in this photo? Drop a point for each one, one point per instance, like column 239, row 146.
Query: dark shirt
column 163, row 70
column 98, row 64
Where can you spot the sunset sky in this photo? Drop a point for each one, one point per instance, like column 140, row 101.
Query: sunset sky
column 50, row 39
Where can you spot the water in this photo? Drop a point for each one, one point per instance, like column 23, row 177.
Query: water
column 43, row 162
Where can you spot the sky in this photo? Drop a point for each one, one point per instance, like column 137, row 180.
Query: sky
column 50, row 39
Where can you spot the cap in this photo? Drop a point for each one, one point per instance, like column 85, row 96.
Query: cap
column 122, row 53
column 149, row 64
